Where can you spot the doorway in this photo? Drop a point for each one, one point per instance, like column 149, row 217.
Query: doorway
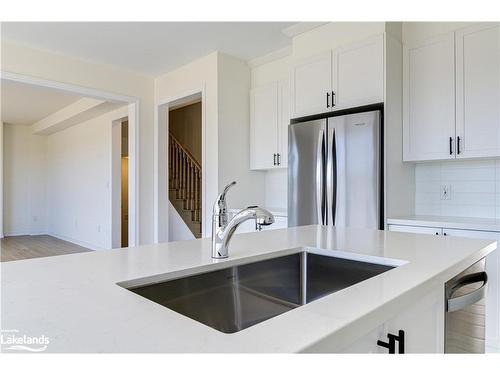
column 124, row 184
column 185, row 171
column 120, row 183
column 166, row 217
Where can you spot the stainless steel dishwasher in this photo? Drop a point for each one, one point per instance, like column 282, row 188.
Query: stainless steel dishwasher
column 465, row 310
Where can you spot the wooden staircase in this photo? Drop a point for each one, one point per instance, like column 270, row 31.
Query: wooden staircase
column 184, row 184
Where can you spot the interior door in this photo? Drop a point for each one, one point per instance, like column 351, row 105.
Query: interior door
column 478, row 91
column 264, row 126
column 429, row 99
column 358, row 73
column 306, row 173
column 311, row 80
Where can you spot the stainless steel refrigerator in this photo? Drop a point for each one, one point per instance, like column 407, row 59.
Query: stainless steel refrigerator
column 335, row 171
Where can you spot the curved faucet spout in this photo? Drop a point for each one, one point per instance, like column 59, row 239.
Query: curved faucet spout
column 222, row 233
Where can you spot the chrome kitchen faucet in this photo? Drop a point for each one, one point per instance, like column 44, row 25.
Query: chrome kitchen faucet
column 223, row 230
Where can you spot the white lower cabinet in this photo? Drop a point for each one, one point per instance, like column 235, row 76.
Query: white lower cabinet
column 492, row 269
column 422, row 230
column 419, row 328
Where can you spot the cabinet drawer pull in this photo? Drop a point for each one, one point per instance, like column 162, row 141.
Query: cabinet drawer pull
column 274, row 159
column 278, row 159
column 333, row 99
column 451, row 145
column 458, row 145
column 327, row 100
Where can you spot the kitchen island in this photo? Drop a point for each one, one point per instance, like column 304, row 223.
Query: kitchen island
column 76, row 302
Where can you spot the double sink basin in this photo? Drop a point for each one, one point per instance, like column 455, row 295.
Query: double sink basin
column 238, row 297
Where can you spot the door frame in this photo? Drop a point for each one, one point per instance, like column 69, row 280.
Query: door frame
column 161, row 202
column 133, row 118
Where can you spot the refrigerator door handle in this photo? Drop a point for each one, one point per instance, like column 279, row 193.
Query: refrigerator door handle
column 320, row 196
column 334, row 177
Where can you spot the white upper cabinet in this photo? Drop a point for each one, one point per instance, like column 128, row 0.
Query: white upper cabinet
column 269, row 119
column 358, row 73
column 264, row 126
column 451, row 95
column 478, row 91
column 311, row 80
column 429, row 99
column 345, row 77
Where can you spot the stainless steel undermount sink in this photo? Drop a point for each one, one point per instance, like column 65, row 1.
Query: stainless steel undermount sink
column 241, row 296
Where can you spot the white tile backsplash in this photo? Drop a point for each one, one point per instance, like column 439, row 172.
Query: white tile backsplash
column 474, row 188
column 276, row 188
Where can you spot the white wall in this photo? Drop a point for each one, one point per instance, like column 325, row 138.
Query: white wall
column 199, row 75
column 1, row 178
column 80, row 183
column 45, row 65
column 25, row 181
column 177, row 228
column 234, row 134
column 225, row 82
column 474, row 185
column 399, row 181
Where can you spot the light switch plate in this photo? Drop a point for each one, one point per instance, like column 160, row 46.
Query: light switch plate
column 445, row 192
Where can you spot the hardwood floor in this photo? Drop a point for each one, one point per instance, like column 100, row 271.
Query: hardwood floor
column 27, row 247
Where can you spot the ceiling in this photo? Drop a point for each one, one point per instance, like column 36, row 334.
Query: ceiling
column 24, row 104
column 151, row 48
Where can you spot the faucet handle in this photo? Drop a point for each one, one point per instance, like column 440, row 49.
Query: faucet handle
column 220, row 206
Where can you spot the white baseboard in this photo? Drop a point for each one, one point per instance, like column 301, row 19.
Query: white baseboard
column 61, row 237
column 76, row 242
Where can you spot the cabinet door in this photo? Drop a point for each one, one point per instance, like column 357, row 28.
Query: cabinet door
column 429, row 99
column 493, row 291
column 367, row 343
column 263, row 126
column 478, row 91
column 283, row 122
column 311, row 80
column 410, row 229
column 358, row 73
column 422, row 323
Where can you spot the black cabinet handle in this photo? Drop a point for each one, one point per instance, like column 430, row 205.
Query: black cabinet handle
column 451, row 145
column 437, row 234
column 458, row 145
column 279, row 159
column 274, row 159
column 327, row 100
column 391, row 344
column 333, row 99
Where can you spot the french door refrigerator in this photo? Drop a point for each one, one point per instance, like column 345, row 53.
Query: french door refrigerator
column 335, row 171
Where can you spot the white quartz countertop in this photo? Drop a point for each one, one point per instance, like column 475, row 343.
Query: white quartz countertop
column 472, row 223
column 75, row 302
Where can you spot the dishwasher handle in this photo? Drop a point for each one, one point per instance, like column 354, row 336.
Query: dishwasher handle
column 458, row 303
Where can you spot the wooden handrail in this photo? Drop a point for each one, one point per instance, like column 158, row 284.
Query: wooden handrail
column 185, row 150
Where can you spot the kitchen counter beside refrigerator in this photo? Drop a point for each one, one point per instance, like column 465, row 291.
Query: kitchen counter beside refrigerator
column 86, row 302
